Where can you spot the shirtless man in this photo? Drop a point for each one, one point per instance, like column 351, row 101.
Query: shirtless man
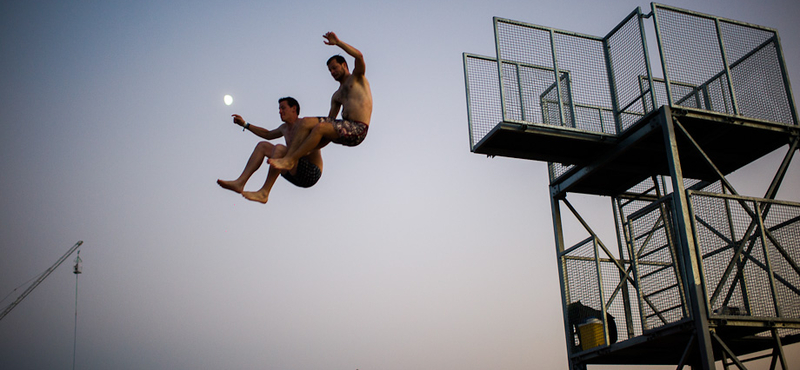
column 305, row 174
column 353, row 97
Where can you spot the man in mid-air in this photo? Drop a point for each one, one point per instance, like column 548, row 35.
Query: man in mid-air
column 353, row 97
column 305, row 174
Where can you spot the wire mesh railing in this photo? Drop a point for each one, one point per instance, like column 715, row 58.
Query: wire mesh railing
column 750, row 255
column 545, row 76
column 734, row 68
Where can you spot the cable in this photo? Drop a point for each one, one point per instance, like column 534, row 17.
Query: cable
column 77, row 271
column 21, row 285
column 75, row 339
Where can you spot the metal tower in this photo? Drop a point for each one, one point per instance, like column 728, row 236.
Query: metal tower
column 701, row 273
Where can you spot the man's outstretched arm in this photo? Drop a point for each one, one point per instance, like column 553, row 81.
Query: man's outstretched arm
column 259, row 131
column 360, row 68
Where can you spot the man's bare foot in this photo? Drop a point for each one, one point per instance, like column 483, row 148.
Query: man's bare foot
column 230, row 185
column 256, row 196
column 283, row 164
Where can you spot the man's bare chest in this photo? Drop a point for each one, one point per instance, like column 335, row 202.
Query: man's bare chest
column 344, row 92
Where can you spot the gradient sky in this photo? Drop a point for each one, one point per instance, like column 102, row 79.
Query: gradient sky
column 410, row 253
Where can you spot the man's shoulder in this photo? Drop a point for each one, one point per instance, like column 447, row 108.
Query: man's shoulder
column 360, row 80
column 284, row 127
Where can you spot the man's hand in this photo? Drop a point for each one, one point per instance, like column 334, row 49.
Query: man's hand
column 237, row 119
column 331, row 39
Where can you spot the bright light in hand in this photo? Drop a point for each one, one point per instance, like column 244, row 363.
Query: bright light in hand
column 228, row 99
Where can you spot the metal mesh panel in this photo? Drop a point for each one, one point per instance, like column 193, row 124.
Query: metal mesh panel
column 629, row 70
column 549, row 102
column 581, row 274
column 528, row 70
column 716, row 237
column 584, row 287
column 533, row 81
column 580, row 270
column 530, row 92
column 624, row 207
column 698, row 53
column 614, row 295
column 782, row 223
column 512, row 93
column 691, row 53
column 714, row 187
column 753, row 280
column 656, row 269
column 586, row 95
column 756, row 280
column 711, row 63
column 756, row 76
column 483, row 96
column 784, row 333
column 556, row 170
column 587, row 81
column 740, row 283
column 690, row 99
column 523, row 44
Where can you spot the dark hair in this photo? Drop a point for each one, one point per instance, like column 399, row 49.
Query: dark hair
column 338, row 58
column 292, row 102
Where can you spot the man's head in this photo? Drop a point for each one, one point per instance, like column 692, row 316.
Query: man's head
column 288, row 108
column 337, row 65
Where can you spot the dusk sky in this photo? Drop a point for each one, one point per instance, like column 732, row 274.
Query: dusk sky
column 410, row 253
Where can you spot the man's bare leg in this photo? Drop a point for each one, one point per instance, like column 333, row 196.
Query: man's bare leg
column 262, row 195
column 262, row 149
column 322, row 133
column 303, row 127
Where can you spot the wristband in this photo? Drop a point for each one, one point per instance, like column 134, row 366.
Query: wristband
column 246, row 125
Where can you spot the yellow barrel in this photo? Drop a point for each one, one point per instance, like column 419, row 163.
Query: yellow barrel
column 591, row 334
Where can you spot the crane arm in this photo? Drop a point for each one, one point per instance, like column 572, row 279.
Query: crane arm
column 39, row 280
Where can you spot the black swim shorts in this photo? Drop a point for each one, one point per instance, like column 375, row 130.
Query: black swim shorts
column 306, row 176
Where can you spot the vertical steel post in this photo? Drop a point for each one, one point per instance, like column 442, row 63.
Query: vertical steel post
column 778, row 351
column 677, row 259
column 646, row 61
column 767, row 260
column 731, row 90
column 600, row 290
column 635, row 265
column 612, row 85
column 787, row 85
column 684, row 235
column 497, row 21
column 623, row 242
column 557, row 72
column 469, row 102
column 667, row 84
column 521, row 94
column 558, row 232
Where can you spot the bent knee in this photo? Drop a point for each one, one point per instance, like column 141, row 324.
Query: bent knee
column 265, row 147
column 325, row 128
column 279, row 151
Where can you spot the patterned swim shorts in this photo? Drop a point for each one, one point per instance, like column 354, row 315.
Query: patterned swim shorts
column 306, row 176
column 351, row 133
